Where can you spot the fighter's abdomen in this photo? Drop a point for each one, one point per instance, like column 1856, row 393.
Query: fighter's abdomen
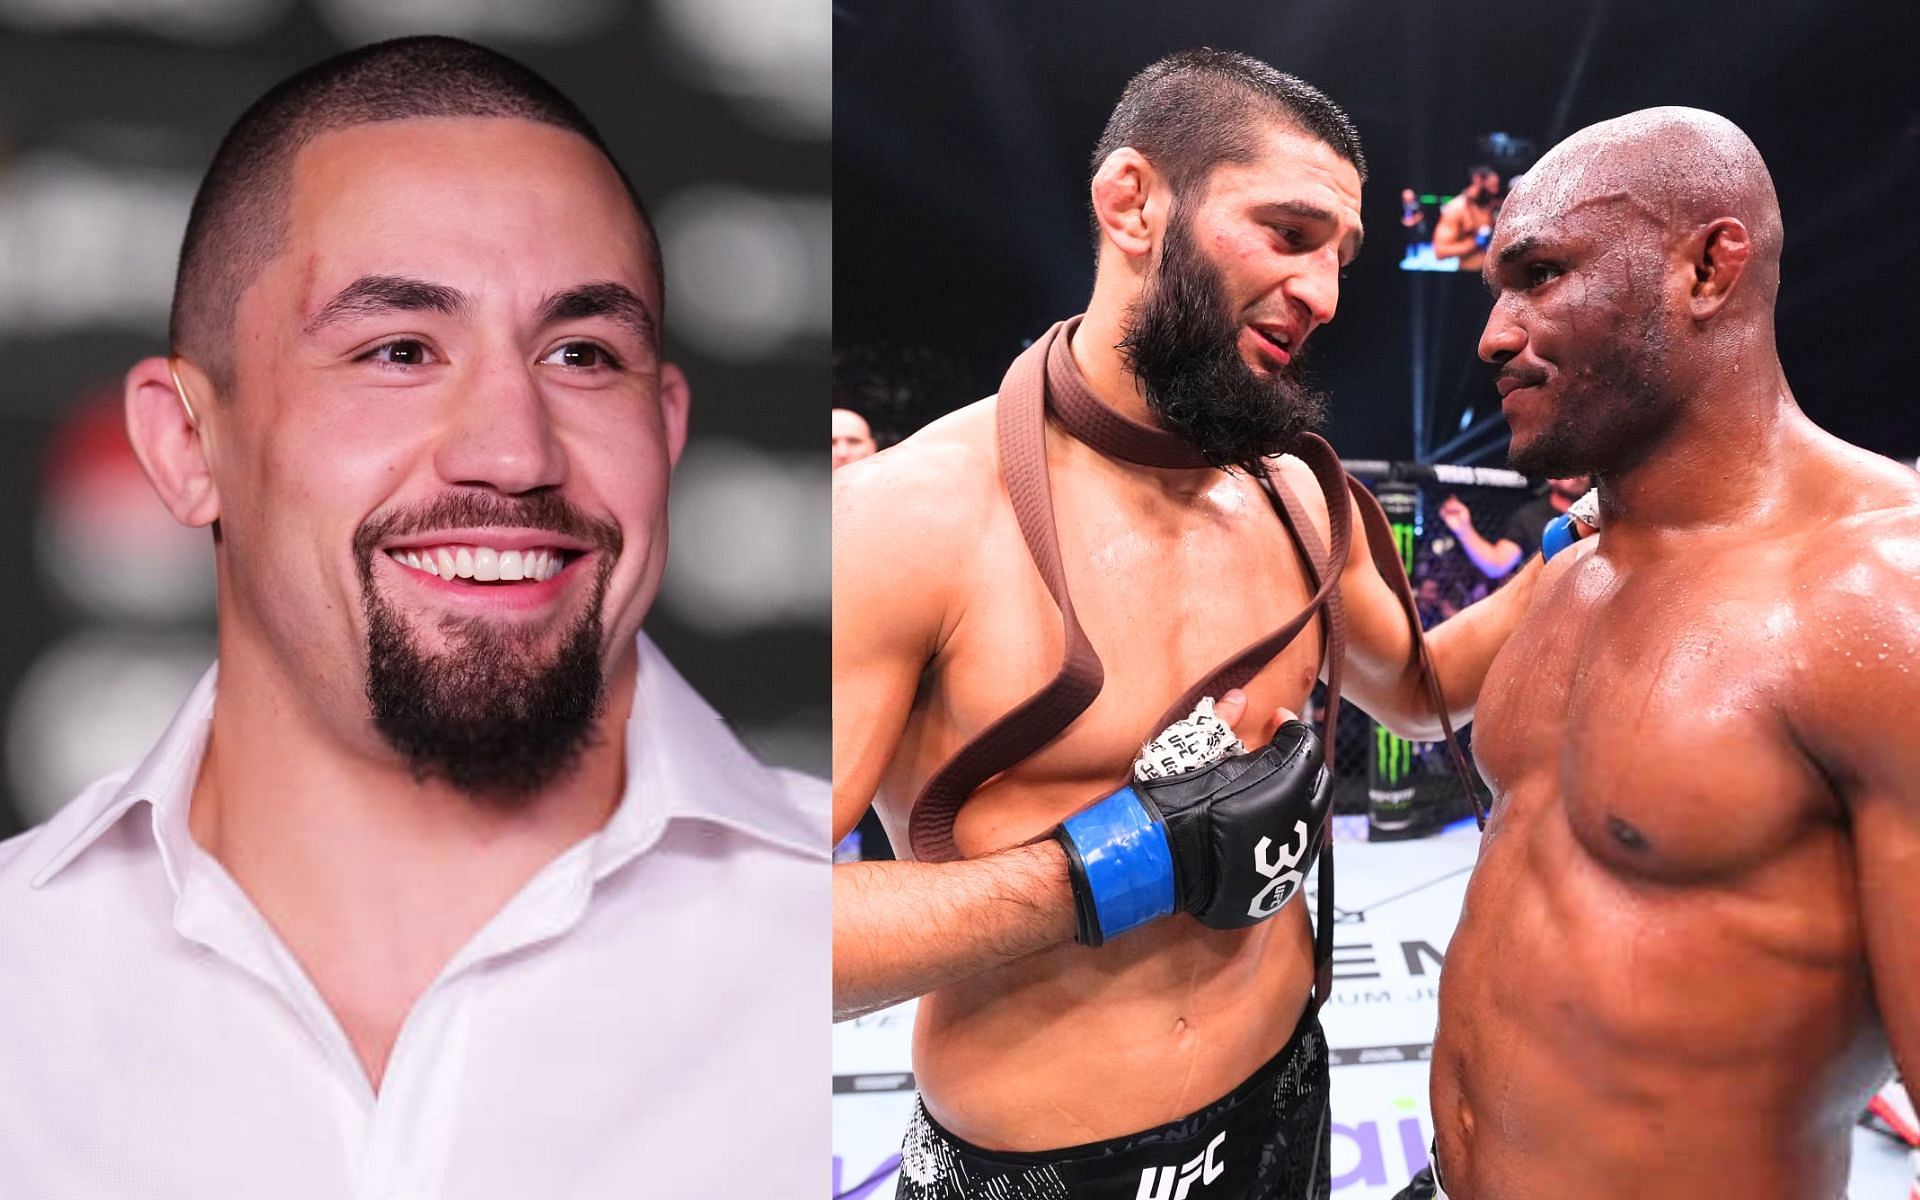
column 1601, row 1038
column 1077, row 1045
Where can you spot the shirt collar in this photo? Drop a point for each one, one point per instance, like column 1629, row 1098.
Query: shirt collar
column 164, row 780
column 682, row 763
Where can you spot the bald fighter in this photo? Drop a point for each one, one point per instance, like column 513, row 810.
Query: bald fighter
column 1695, row 925
column 1173, row 1051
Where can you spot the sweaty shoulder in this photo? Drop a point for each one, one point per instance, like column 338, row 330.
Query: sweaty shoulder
column 1305, row 485
column 1855, row 621
column 1866, row 528
column 932, row 485
column 907, row 523
column 1862, row 564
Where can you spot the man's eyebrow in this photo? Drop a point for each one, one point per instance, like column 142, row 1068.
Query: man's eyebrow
column 1510, row 253
column 1515, row 250
column 374, row 294
column 615, row 301
column 1306, row 211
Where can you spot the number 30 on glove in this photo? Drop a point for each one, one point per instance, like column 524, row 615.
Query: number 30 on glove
column 1230, row 843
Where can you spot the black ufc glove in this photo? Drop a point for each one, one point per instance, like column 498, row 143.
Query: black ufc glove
column 1230, row 843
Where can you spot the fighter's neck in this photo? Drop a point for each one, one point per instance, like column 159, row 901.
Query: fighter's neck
column 1096, row 352
column 306, row 820
column 1728, row 460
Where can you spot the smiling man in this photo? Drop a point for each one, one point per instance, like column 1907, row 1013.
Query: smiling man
column 1175, row 1049
column 433, row 887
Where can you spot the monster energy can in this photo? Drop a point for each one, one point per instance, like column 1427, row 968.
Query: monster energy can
column 1391, row 811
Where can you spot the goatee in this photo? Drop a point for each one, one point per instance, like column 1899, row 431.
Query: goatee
column 492, row 713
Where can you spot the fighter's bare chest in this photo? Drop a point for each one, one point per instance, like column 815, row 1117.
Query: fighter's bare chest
column 1646, row 713
column 1164, row 592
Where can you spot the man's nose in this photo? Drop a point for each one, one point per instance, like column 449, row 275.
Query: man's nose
column 1502, row 338
column 1317, row 286
column 500, row 433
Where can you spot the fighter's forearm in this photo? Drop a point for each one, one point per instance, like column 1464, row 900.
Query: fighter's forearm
column 902, row 929
column 1462, row 647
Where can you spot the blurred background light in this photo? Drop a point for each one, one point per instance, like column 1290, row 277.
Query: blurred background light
column 84, row 245
column 751, row 273
column 518, row 20
column 772, row 57
column 215, row 22
column 750, row 544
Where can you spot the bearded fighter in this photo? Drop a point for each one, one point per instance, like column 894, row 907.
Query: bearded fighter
column 1168, row 1053
column 1466, row 221
column 435, row 886
column 1694, row 931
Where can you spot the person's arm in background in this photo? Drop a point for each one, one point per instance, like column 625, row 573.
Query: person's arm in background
column 1495, row 559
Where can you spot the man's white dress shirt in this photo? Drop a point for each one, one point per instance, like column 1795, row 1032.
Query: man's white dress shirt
column 646, row 1018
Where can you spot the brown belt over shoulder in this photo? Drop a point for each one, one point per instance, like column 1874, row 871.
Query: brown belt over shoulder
column 1021, row 421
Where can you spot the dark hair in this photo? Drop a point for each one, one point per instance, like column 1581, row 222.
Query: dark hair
column 239, row 218
column 1191, row 111
column 1480, row 171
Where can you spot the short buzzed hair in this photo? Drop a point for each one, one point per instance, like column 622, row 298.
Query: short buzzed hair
column 1194, row 110
column 239, row 221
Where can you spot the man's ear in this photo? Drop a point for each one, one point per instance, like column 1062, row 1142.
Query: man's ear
column 1130, row 202
column 675, row 397
column 172, row 446
column 1716, row 254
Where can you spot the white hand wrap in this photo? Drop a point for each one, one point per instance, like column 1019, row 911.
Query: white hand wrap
column 1197, row 740
column 1586, row 509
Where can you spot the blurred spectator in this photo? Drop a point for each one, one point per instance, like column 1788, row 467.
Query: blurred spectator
column 1466, row 221
column 1521, row 535
column 1413, row 218
column 852, row 438
column 1434, row 601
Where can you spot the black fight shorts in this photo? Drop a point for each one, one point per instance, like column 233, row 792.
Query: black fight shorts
column 1268, row 1139
column 1425, row 1185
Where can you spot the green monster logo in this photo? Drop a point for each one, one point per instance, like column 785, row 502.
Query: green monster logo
column 1403, row 541
column 1390, row 794
column 1393, row 756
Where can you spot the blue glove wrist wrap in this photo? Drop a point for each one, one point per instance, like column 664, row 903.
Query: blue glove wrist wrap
column 1122, row 865
column 1557, row 536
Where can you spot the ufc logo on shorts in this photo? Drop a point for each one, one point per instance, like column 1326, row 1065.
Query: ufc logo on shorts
column 1280, row 871
column 1173, row 1183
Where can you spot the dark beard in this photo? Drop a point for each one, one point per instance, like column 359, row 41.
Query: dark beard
column 1182, row 344
column 1607, row 415
column 490, row 716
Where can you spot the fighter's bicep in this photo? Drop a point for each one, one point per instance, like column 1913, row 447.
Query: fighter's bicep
column 889, row 603
column 1379, row 640
column 1886, row 834
column 1362, row 591
column 1858, row 647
